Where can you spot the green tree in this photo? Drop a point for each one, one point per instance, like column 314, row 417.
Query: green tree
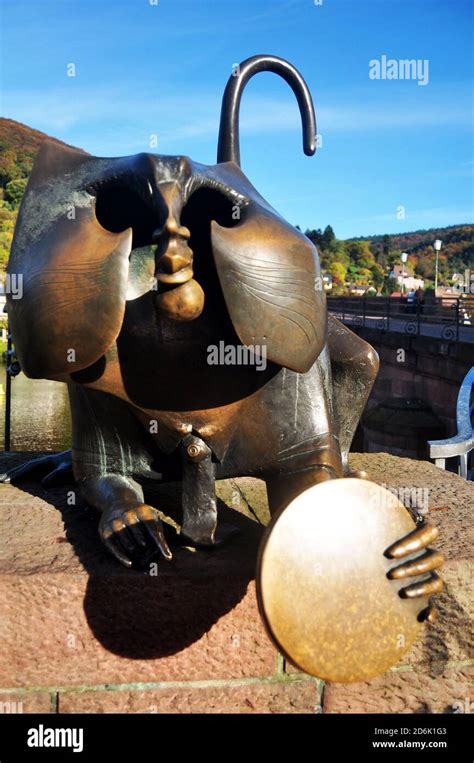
column 328, row 237
column 378, row 275
column 386, row 245
column 9, row 170
column 14, row 191
column 338, row 272
column 390, row 285
column 361, row 254
column 7, row 224
column 364, row 276
column 315, row 236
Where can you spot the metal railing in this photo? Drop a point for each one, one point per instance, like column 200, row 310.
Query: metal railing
column 462, row 444
column 12, row 369
column 445, row 315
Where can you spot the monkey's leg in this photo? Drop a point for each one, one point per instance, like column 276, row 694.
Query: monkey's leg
column 281, row 489
column 311, row 451
column 354, row 366
column 108, row 449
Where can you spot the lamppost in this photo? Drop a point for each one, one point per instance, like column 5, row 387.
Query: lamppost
column 437, row 246
column 404, row 258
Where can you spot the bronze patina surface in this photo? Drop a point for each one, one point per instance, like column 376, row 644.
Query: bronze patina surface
column 136, row 271
column 344, row 616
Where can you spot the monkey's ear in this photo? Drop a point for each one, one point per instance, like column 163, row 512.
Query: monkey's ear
column 270, row 278
column 71, row 273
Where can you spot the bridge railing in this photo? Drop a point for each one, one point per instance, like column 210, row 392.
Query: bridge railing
column 386, row 313
column 462, row 443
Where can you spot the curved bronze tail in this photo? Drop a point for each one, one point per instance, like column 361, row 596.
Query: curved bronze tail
column 228, row 149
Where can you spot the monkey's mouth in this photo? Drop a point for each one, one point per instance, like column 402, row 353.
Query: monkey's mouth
column 171, row 254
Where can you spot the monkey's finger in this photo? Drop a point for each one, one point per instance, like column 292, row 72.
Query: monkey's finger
column 414, row 541
column 121, row 533
column 155, row 530
column 430, row 560
column 429, row 614
column 152, row 523
column 116, row 550
column 135, row 528
column 433, row 584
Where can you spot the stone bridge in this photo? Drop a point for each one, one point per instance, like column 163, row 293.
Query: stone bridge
column 414, row 396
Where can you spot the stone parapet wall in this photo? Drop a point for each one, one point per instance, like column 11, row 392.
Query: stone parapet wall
column 420, row 367
column 80, row 634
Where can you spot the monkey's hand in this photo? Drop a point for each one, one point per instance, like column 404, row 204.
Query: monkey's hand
column 54, row 469
column 424, row 563
column 133, row 535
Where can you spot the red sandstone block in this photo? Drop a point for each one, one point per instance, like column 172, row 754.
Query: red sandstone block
column 34, row 702
column 70, row 615
column 294, row 697
column 404, row 692
column 61, row 630
column 449, row 637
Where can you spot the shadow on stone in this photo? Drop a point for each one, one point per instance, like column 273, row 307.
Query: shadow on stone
column 161, row 610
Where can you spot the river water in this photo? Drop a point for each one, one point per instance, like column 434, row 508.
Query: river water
column 40, row 419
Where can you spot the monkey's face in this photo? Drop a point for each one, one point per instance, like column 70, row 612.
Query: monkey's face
column 95, row 235
column 168, row 203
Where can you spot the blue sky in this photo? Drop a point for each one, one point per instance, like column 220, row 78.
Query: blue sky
column 144, row 69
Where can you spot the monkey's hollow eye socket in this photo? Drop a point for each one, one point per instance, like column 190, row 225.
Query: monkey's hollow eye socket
column 208, row 204
column 127, row 202
column 203, row 206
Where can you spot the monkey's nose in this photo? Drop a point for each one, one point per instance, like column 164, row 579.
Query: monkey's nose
column 171, row 228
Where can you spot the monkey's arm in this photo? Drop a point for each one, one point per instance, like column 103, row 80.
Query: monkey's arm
column 354, row 366
column 108, row 449
column 130, row 529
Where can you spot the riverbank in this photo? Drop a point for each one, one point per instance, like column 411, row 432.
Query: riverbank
column 40, row 418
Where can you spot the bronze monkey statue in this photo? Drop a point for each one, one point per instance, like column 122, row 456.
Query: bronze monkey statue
column 132, row 269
